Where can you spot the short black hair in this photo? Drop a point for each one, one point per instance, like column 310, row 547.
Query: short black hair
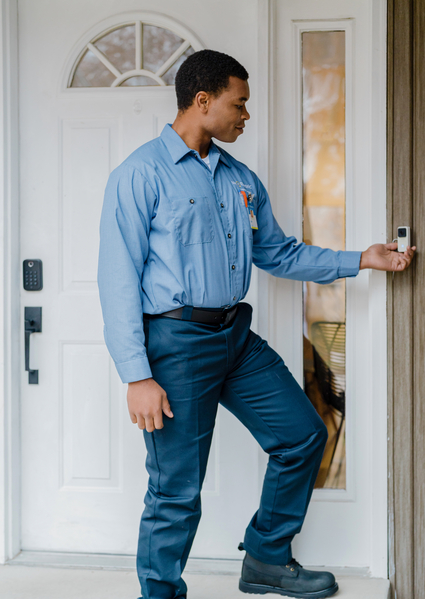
column 207, row 71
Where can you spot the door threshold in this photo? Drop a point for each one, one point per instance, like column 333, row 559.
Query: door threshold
column 107, row 561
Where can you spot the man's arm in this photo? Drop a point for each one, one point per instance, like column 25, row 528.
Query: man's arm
column 124, row 244
column 128, row 208
column 284, row 257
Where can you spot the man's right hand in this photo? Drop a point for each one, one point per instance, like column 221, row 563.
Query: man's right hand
column 146, row 401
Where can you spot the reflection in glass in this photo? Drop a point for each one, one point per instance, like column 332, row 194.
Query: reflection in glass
column 116, row 53
column 158, row 45
column 170, row 75
column 91, row 72
column 119, row 46
column 323, row 80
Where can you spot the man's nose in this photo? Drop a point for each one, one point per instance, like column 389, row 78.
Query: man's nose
column 245, row 114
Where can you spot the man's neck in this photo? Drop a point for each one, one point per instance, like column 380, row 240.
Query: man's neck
column 194, row 137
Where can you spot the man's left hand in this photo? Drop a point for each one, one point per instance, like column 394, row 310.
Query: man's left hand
column 384, row 256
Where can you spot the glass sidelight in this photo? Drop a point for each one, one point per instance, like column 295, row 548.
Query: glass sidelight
column 323, row 130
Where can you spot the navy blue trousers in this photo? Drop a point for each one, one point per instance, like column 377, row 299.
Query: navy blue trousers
column 199, row 366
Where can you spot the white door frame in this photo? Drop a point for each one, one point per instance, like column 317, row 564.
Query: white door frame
column 10, row 273
column 267, row 292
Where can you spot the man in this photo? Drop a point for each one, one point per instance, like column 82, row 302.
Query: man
column 182, row 222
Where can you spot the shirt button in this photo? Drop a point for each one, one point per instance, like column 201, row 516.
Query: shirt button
column 234, row 297
column 222, row 205
column 233, row 267
column 192, row 201
column 229, row 235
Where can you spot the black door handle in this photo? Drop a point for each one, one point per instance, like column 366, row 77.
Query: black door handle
column 32, row 325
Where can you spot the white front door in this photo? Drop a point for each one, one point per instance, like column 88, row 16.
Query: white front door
column 83, row 461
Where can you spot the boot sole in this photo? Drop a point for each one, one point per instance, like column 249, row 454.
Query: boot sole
column 262, row 589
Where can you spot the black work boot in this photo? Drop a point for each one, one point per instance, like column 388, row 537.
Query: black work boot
column 290, row 580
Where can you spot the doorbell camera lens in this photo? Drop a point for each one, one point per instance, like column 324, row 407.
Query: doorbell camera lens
column 402, row 232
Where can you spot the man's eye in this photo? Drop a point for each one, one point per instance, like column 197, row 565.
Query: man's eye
column 239, row 106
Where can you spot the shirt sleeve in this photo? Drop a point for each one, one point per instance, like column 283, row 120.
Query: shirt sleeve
column 284, row 257
column 127, row 211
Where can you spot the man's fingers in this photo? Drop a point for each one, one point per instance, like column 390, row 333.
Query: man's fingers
column 167, row 408
column 146, row 403
column 391, row 246
column 149, row 424
column 158, row 420
column 403, row 263
column 410, row 252
column 402, row 260
column 141, row 421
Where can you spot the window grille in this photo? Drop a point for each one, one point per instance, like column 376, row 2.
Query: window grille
column 131, row 54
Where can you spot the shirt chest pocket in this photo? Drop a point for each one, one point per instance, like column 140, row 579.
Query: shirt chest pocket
column 192, row 218
column 244, row 214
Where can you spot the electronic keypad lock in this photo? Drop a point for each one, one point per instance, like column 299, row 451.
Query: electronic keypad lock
column 33, row 275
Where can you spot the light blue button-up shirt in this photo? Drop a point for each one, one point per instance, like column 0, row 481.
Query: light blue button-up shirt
column 176, row 232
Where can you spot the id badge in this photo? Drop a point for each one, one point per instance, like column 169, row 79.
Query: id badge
column 249, row 203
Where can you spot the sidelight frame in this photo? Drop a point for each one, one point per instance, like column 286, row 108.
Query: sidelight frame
column 372, row 281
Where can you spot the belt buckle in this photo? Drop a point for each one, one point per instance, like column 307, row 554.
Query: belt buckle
column 229, row 315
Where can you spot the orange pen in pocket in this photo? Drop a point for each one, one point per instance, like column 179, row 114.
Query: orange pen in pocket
column 245, row 198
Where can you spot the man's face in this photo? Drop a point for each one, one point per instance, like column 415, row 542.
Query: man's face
column 227, row 113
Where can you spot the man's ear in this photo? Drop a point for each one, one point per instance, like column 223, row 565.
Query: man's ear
column 202, row 101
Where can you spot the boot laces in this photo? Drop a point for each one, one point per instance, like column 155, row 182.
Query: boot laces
column 294, row 562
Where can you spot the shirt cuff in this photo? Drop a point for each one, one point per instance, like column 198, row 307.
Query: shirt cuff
column 134, row 370
column 349, row 264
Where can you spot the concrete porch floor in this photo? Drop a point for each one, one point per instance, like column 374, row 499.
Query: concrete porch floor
column 25, row 578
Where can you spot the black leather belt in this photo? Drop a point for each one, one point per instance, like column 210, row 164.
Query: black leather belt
column 202, row 315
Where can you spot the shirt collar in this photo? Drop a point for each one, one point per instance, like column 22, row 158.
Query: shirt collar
column 178, row 149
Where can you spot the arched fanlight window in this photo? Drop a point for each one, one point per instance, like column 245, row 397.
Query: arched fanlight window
column 131, row 54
